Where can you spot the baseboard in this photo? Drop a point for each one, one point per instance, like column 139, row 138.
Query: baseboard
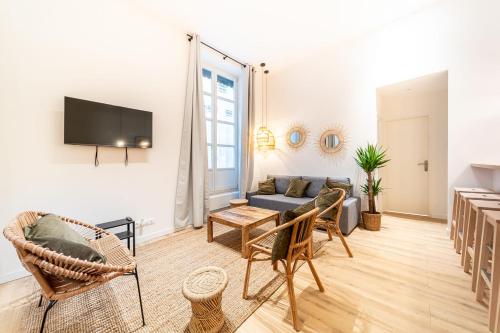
column 153, row 235
column 4, row 278
column 415, row 216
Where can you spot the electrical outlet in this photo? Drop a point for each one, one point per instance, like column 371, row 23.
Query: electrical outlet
column 144, row 221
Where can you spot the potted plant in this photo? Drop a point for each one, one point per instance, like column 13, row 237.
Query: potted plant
column 370, row 159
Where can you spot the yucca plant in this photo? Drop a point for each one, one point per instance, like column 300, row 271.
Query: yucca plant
column 370, row 158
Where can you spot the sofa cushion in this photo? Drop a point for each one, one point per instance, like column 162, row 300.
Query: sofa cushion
column 297, row 188
column 54, row 234
column 315, row 185
column 343, row 185
column 267, row 187
column 282, row 182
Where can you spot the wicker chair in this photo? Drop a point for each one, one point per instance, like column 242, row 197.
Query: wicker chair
column 301, row 239
column 332, row 225
column 61, row 276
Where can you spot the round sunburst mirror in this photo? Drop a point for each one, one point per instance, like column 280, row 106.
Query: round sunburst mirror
column 296, row 136
column 331, row 141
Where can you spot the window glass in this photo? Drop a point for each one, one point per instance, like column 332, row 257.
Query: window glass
column 209, row 153
column 206, row 81
column 207, row 105
column 225, row 111
column 225, row 134
column 225, row 88
column 209, row 131
column 225, row 157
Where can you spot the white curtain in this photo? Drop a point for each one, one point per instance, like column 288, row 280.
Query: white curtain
column 191, row 200
column 247, row 128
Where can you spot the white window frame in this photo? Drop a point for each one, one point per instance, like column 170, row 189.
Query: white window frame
column 213, row 170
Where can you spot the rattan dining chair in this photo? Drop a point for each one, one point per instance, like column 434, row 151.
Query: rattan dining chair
column 301, row 238
column 60, row 276
column 331, row 225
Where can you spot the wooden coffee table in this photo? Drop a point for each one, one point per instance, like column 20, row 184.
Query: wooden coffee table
column 244, row 218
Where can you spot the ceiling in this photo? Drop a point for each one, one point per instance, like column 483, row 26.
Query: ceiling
column 279, row 31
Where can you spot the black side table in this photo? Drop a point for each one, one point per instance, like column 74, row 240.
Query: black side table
column 129, row 234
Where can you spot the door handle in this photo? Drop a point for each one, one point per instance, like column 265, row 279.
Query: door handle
column 425, row 164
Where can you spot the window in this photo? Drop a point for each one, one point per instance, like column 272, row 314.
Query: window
column 219, row 101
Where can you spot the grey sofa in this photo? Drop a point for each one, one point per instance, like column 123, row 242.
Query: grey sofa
column 350, row 213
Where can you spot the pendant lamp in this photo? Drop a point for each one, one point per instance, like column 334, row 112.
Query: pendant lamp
column 265, row 138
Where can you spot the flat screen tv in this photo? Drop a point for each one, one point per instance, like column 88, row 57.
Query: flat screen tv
column 99, row 124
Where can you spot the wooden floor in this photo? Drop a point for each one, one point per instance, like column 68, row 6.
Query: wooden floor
column 405, row 278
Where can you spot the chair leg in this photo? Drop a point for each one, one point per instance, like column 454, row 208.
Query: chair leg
column 247, row 274
column 329, row 231
column 291, row 295
column 315, row 274
column 140, row 298
column 40, row 301
column 51, row 304
column 342, row 239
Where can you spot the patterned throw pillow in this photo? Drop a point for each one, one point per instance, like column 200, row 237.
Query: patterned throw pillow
column 327, row 197
column 297, row 188
column 345, row 186
column 267, row 187
column 282, row 241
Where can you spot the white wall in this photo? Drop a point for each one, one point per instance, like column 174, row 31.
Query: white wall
column 106, row 51
column 338, row 85
column 432, row 104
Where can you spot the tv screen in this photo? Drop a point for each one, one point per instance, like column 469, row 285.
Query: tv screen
column 98, row 124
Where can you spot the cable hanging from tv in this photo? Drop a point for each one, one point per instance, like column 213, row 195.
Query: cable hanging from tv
column 96, row 158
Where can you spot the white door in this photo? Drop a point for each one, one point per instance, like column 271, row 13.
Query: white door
column 406, row 177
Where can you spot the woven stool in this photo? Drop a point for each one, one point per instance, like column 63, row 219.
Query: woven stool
column 238, row 202
column 204, row 287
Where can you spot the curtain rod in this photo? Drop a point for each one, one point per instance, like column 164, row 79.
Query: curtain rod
column 213, row 48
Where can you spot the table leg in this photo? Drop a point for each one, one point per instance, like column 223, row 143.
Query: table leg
column 477, row 246
column 128, row 236
column 486, row 236
column 210, row 230
column 244, row 240
column 495, row 271
column 277, row 219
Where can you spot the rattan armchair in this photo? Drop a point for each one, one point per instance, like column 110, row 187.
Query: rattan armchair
column 260, row 249
column 332, row 225
column 61, row 276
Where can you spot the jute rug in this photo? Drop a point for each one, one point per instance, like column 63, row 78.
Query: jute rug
column 163, row 266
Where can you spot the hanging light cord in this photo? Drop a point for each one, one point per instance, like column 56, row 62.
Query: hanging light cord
column 126, row 156
column 265, row 72
column 96, row 158
column 262, row 97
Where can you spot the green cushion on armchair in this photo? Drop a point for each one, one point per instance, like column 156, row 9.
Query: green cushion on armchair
column 327, row 197
column 282, row 241
column 54, row 234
